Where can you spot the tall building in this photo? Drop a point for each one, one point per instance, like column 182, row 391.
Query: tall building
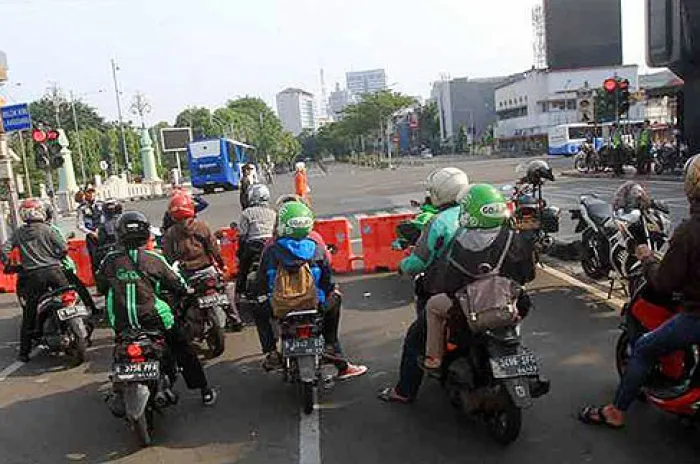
column 338, row 100
column 297, row 110
column 583, row 34
column 359, row 82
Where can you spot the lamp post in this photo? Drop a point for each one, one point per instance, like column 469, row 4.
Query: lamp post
column 117, row 95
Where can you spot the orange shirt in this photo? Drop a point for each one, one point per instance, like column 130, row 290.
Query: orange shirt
column 301, row 184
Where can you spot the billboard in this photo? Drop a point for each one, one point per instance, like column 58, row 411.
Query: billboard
column 583, row 34
column 175, row 138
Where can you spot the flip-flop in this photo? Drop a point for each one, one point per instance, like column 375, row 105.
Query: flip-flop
column 594, row 416
column 389, row 395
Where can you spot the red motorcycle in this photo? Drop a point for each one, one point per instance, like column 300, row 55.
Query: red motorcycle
column 674, row 382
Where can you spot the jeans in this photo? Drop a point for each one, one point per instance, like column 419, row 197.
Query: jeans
column 410, row 373
column 680, row 331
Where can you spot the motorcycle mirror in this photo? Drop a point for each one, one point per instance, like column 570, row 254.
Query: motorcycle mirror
column 507, row 188
column 415, row 204
column 234, row 225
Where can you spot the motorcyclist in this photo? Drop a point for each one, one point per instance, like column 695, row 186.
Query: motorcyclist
column 445, row 186
column 41, row 251
column 643, row 149
column 200, row 204
column 291, row 249
column 485, row 235
column 88, row 220
column 189, row 241
column 255, row 229
column 409, row 231
column 107, row 231
column 677, row 272
column 132, row 278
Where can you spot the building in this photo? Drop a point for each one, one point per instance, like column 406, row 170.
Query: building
column 540, row 99
column 661, row 96
column 361, row 82
column 583, row 34
column 466, row 103
column 338, row 100
column 297, row 110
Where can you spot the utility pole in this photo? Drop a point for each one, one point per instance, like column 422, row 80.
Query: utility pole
column 117, row 94
column 24, row 163
column 56, row 96
column 77, row 137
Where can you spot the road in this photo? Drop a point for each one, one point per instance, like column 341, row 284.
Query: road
column 52, row 414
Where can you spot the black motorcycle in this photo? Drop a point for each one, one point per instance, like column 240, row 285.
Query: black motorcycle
column 205, row 312
column 142, row 378
column 668, row 159
column 63, row 320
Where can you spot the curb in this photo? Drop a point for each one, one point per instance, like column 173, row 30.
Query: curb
column 609, row 175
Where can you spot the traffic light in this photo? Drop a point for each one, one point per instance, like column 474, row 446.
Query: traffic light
column 623, row 96
column 41, row 152
column 54, row 148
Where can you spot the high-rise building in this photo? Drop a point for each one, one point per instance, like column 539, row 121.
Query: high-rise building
column 338, row 100
column 297, row 110
column 583, row 34
column 359, row 82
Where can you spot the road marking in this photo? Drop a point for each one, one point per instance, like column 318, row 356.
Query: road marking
column 613, row 302
column 15, row 366
column 310, row 435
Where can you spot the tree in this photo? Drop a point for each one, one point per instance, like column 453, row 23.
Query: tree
column 429, row 124
column 289, row 147
column 461, row 140
column 200, row 120
column 43, row 110
column 265, row 128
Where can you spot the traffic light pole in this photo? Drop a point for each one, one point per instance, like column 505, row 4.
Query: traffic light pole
column 7, row 179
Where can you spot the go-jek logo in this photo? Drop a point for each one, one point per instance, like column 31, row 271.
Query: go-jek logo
column 494, row 210
column 300, row 222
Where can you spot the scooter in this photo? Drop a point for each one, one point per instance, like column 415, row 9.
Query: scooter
column 206, row 311
column 63, row 321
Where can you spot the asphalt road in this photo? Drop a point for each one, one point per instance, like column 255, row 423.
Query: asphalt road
column 52, row 414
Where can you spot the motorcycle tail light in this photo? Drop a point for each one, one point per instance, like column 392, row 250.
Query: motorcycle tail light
column 210, row 282
column 69, row 298
column 134, row 351
column 304, row 331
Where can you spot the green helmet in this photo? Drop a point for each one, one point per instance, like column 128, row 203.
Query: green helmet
column 295, row 220
column 483, row 207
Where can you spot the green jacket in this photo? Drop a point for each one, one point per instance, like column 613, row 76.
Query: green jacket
column 645, row 138
column 434, row 239
column 616, row 139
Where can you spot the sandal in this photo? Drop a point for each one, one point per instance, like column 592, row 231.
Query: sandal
column 595, row 416
column 389, row 395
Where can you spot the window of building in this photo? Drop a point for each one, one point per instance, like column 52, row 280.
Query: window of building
column 543, row 107
column 570, row 104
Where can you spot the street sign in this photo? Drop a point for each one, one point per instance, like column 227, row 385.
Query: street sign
column 16, row 117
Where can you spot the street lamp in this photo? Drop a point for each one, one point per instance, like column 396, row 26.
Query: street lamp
column 117, row 95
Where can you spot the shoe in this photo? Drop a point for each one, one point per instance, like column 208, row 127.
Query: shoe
column 352, row 371
column 208, row 396
column 23, row 358
column 235, row 326
column 273, row 361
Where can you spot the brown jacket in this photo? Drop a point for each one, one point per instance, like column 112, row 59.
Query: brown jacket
column 192, row 244
column 679, row 271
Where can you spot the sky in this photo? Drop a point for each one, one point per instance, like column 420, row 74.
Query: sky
column 182, row 53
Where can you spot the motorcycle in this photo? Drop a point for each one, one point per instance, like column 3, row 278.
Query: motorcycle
column 206, row 310
column 609, row 240
column 302, row 352
column 587, row 160
column 63, row 321
column 667, row 158
column 141, row 385
column 673, row 384
column 491, row 376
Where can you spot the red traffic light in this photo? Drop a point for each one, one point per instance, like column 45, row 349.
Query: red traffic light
column 39, row 136
column 610, row 85
column 52, row 135
column 624, row 84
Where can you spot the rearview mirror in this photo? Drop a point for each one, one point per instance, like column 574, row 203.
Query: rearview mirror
column 234, row 225
column 415, row 204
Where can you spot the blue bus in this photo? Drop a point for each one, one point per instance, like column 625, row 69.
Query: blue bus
column 216, row 163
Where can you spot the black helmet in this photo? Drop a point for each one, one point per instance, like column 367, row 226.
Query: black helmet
column 133, row 229
column 538, row 171
column 112, row 207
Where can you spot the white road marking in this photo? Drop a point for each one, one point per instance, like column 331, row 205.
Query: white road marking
column 15, row 366
column 613, row 302
column 310, row 435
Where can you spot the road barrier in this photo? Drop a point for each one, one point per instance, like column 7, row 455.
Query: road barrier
column 336, row 233
column 78, row 252
column 8, row 282
column 377, row 233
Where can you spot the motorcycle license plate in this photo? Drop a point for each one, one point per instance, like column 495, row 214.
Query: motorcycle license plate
column 71, row 311
column 516, row 365
column 212, row 300
column 303, row 346
column 137, row 372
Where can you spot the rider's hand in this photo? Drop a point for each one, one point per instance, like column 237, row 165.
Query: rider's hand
column 643, row 252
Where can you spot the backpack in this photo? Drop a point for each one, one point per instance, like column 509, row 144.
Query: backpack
column 489, row 301
column 295, row 289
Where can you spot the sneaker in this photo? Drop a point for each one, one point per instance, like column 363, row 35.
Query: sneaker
column 23, row 358
column 352, row 371
column 208, row 396
column 273, row 361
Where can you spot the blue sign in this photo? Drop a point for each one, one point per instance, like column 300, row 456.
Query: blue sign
column 16, row 117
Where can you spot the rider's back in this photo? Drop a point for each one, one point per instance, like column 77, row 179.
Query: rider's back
column 191, row 243
column 40, row 246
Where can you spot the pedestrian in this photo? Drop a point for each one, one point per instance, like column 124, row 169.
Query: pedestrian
column 301, row 182
column 248, row 179
column 643, row 148
column 617, row 149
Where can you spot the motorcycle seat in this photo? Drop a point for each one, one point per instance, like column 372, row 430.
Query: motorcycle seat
column 599, row 210
column 670, row 393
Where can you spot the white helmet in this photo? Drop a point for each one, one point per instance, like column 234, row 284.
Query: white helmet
column 258, row 194
column 692, row 178
column 300, row 166
column 445, row 185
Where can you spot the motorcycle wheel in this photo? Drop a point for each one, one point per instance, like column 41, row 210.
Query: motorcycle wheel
column 622, row 353
column 78, row 349
column 590, row 264
column 658, row 168
column 216, row 340
column 580, row 165
column 505, row 424
column 307, row 397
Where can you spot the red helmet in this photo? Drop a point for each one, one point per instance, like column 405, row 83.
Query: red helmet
column 32, row 210
column 181, row 207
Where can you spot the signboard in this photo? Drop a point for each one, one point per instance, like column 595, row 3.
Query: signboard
column 16, row 117
column 175, row 138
